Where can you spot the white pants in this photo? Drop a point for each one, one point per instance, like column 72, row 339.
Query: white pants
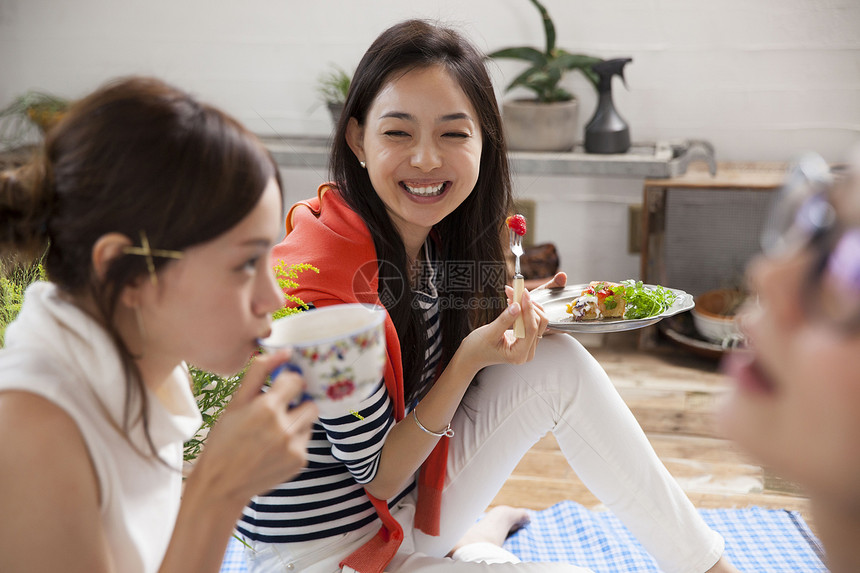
column 565, row 391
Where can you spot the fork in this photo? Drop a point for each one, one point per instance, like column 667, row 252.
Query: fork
column 519, row 281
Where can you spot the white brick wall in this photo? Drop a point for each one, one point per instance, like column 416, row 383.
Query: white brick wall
column 760, row 79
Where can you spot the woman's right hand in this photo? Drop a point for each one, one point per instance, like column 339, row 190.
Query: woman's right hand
column 259, row 441
column 495, row 343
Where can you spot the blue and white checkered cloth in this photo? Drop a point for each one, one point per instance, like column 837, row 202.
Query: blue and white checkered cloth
column 757, row 540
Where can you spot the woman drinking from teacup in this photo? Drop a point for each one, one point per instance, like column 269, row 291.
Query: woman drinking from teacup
column 796, row 405
column 412, row 221
column 159, row 213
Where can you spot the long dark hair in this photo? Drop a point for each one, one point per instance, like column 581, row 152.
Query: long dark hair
column 469, row 234
column 141, row 158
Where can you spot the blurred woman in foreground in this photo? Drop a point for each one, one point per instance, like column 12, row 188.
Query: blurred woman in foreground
column 796, row 405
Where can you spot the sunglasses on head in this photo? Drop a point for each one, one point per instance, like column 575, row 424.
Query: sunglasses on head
column 805, row 215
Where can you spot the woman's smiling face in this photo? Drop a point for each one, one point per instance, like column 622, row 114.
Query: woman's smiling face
column 422, row 142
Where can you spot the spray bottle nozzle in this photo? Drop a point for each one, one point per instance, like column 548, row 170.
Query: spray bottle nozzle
column 608, row 68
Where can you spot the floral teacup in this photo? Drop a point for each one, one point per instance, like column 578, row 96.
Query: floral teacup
column 340, row 351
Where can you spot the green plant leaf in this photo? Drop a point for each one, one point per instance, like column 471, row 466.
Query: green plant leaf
column 333, row 86
column 548, row 26
column 27, row 113
column 526, row 53
column 525, row 80
column 549, row 66
column 34, row 100
column 567, row 61
column 529, row 76
column 544, row 83
column 558, row 94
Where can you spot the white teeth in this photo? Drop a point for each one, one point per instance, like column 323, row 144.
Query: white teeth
column 425, row 191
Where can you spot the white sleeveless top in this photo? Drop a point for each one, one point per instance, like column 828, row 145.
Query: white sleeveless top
column 57, row 351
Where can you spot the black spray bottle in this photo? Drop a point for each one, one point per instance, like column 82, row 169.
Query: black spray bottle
column 607, row 132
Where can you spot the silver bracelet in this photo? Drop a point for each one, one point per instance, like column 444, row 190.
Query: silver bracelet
column 446, row 432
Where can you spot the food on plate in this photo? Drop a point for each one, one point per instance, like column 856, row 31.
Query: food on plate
column 629, row 300
column 643, row 301
column 517, row 223
column 601, row 299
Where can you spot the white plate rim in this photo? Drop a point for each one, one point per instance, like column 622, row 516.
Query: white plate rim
column 558, row 295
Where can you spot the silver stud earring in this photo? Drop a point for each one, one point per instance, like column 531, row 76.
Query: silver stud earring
column 363, row 164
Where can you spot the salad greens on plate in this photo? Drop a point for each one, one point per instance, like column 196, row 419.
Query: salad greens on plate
column 643, row 302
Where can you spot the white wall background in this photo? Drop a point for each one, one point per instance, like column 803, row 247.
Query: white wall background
column 760, row 79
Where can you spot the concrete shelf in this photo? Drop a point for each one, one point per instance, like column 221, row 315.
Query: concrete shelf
column 644, row 160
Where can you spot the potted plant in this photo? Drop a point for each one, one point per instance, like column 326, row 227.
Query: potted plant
column 548, row 122
column 34, row 108
column 332, row 88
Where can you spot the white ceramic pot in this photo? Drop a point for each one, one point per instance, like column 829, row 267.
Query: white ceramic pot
column 714, row 316
column 534, row 126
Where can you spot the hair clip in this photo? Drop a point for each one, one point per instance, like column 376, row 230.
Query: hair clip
column 145, row 250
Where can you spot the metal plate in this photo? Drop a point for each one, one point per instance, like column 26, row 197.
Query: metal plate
column 555, row 301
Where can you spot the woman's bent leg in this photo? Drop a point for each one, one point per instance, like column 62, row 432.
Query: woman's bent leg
column 564, row 390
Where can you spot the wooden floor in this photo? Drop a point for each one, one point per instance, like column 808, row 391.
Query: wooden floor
column 672, row 394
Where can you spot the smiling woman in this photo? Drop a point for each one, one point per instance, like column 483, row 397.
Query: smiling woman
column 413, row 221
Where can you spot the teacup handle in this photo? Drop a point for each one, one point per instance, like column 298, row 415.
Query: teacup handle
column 285, row 366
column 289, row 366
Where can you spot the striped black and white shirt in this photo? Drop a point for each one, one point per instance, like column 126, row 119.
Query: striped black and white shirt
column 327, row 498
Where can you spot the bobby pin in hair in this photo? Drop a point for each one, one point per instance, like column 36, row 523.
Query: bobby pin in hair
column 145, row 250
